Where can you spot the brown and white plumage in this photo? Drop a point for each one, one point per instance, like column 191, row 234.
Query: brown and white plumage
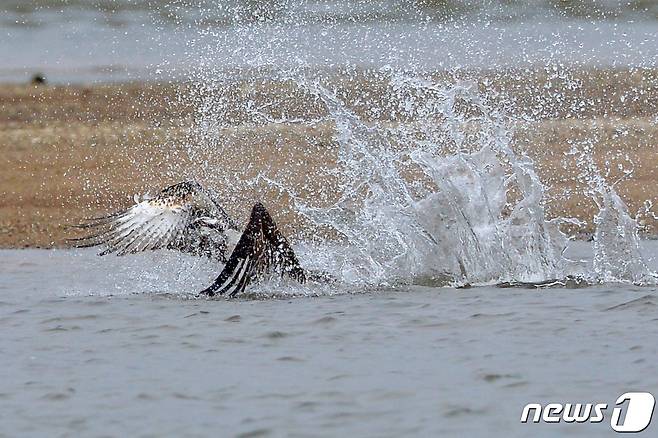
column 261, row 250
column 188, row 218
column 184, row 217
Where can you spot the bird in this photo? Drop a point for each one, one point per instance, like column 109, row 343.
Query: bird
column 189, row 218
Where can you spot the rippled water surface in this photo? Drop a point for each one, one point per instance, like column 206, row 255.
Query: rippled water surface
column 116, row 346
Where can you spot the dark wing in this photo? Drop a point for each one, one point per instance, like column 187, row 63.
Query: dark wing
column 262, row 249
column 181, row 217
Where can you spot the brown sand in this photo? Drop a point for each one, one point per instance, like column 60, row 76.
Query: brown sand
column 73, row 152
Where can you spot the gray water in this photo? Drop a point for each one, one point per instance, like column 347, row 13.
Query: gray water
column 112, row 346
column 96, row 41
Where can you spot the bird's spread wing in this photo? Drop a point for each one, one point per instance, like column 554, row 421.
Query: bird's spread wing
column 262, row 249
column 181, row 217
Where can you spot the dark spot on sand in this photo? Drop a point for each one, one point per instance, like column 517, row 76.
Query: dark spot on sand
column 38, row 79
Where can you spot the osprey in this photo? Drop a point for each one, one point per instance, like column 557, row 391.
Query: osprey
column 187, row 217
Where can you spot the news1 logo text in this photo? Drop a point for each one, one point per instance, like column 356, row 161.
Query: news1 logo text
column 631, row 413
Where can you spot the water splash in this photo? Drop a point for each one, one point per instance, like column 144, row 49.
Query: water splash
column 424, row 186
column 617, row 253
column 443, row 197
column 436, row 191
column 434, row 194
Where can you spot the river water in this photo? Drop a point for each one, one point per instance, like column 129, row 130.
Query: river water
column 118, row 346
column 98, row 41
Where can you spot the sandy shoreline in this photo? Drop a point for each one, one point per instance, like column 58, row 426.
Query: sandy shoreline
column 72, row 152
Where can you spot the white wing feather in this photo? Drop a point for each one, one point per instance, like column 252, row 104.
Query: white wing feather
column 146, row 226
column 170, row 220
